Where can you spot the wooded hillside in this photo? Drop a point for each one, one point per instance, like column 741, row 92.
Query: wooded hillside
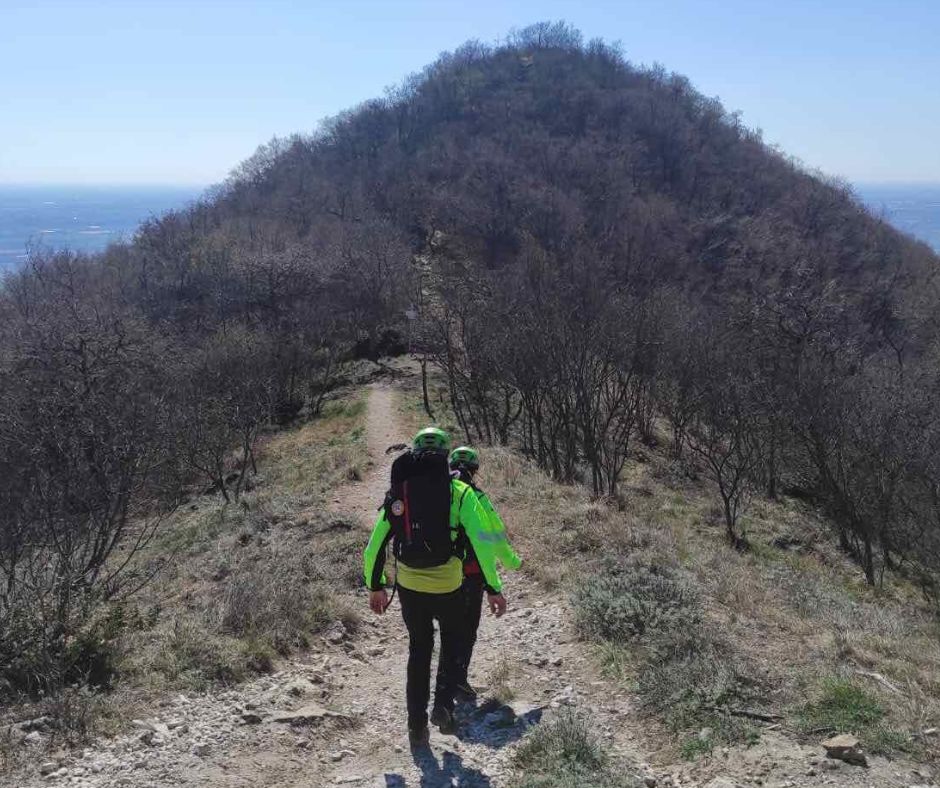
column 588, row 248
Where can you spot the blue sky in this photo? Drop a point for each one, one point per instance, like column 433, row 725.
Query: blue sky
column 179, row 92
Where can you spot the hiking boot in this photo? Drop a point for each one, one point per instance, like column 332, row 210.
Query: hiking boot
column 444, row 719
column 465, row 691
column 419, row 737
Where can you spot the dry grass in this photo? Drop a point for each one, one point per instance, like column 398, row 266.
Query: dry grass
column 254, row 579
column 566, row 753
column 794, row 617
column 798, row 615
column 499, row 681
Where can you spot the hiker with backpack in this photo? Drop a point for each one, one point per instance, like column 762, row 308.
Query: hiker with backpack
column 426, row 515
column 465, row 462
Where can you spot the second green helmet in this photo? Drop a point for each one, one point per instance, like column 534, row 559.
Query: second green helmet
column 431, row 439
column 464, row 456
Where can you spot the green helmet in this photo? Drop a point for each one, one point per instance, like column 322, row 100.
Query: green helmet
column 464, row 457
column 432, row 439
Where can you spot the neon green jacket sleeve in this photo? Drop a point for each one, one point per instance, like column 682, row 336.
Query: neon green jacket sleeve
column 373, row 559
column 474, row 520
column 496, row 532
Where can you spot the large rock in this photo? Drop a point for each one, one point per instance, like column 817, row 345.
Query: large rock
column 308, row 715
column 845, row 747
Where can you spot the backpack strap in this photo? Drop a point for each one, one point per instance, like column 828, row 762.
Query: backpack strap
column 391, row 597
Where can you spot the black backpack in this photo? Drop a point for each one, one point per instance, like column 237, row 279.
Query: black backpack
column 418, row 507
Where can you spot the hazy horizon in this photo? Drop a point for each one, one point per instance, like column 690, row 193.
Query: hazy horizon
column 847, row 88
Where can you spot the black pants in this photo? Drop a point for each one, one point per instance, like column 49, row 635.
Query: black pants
column 419, row 610
column 472, row 597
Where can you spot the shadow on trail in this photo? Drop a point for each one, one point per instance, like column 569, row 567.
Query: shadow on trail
column 495, row 724
column 450, row 772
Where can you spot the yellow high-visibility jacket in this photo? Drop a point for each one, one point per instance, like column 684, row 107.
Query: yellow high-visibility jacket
column 495, row 534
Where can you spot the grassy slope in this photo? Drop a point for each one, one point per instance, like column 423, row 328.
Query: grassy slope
column 250, row 577
column 789, row 632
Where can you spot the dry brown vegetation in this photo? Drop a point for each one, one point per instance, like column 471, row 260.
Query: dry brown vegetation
column 788, row 629
column 247, row 582
column 796, row 616
column 250, row 578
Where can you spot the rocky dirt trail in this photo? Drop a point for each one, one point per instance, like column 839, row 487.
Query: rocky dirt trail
column 335, row 715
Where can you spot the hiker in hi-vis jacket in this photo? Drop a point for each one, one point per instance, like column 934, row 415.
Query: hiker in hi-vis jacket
column 465, row 462
column 427, row 516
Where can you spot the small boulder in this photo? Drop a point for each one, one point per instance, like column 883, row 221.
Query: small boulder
column 336, row 633
column 845, row 747
column 49, row 767
column 307, row 715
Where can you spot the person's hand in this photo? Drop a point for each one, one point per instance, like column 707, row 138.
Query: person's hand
column 378, row 601
column 497, row 603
